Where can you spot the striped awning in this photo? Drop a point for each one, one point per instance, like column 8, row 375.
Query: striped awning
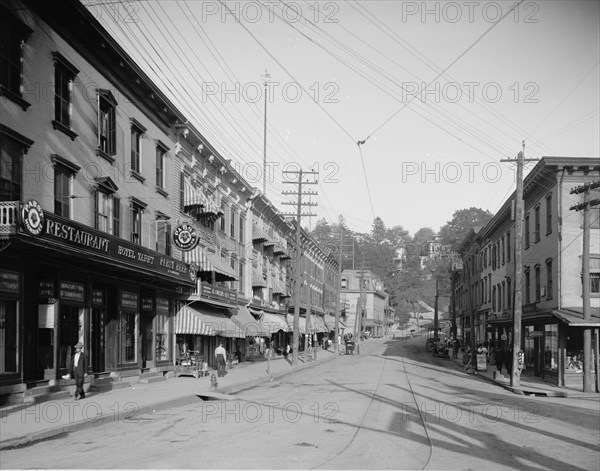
column 275, row 322
column 195, row 198
column 317, row 324
column 302, row 323
column 208, row 262
column 202, row 319
column 250, row 326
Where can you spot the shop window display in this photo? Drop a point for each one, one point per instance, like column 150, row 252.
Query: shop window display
column 551, row 349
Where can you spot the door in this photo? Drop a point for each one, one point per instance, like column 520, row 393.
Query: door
column 147, row 341
column 98, row 350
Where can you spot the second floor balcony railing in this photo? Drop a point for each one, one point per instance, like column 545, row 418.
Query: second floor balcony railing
column 9, row 217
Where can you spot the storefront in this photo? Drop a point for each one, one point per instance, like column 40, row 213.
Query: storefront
column 552, row 342
column 66, row 283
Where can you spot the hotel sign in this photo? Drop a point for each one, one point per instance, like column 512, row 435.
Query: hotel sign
column 85, row 240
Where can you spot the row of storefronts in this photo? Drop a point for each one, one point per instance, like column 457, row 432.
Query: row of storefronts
column 552, row 312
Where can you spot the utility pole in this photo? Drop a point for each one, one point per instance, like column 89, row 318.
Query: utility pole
column 515, row 373
column 361, row 307
column 298, row 262
column 336, row 347
column 587, row 331
column 267, row 77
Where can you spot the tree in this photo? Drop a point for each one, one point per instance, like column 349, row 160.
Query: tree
column 455, row 230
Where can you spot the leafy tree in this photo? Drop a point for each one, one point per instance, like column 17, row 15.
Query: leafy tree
column 454, row 231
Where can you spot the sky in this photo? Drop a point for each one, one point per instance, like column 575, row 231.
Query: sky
column 404, row 108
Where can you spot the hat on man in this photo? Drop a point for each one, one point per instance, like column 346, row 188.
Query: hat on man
column 78, row 345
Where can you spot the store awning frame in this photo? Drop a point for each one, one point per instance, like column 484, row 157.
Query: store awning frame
column 196, row 319
column 250, row 326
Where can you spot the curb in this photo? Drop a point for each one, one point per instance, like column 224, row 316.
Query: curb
column 119, row 416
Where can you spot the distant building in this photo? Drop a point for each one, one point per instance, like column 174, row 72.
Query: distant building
column 377, row 316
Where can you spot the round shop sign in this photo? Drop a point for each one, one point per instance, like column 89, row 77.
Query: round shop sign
column 32, row 217
column 185, row 237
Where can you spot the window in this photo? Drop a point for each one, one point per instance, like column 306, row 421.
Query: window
column 13, row 34
column 241, row 268
column 137, row 132
column 107, row 207
column 494, row 298
column 9, row 346
column 494, row 257
column 163, row 235
column 508, row 249
column 241, row 229
column 502, row 250
column 537, row 223
column 64, row 172
column 527, row 287
column 527, row 231
column 595, row 275
column 537, row 284
column 232, row 223
column 549, row 214
column 224, row 212
column 161, row 178
column 107, row 130
column 64, row 75
column 508, row 294
column 549, row 279
column 137, row 209
column 503, row 300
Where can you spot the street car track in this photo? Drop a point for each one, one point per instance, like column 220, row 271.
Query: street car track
column 364, row 415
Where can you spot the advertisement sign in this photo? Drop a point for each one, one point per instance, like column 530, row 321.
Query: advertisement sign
column 185, row 237
column 481, row 362
column 85, row 240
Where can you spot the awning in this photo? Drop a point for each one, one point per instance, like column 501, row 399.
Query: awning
column 209, row 262
column 250, row 326
column 275, row 322
column 318, row 324
column 205, row 320
column 574, row 317
column 330, row 322
column 302, row 323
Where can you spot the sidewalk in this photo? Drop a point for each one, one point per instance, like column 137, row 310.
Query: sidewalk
column 28, row 423
column 530, row 385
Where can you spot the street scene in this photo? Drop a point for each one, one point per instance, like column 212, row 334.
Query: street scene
column 247, row 234
column 406, row 410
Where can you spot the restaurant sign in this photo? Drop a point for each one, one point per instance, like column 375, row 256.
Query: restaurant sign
column 86, row 240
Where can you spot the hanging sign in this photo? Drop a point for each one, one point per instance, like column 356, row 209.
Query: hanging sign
column 185, row 237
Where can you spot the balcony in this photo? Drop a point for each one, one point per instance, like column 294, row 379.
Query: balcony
column 9, row 217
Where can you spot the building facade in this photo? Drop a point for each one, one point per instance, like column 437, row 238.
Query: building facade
column 552, row 299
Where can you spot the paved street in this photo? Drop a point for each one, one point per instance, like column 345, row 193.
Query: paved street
column 391, row 407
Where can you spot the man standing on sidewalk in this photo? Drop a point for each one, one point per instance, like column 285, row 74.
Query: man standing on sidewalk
column 220, row 355
column 78, row 370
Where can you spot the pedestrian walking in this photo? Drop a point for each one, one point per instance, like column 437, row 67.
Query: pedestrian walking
column 220, row 355
column 78, row 370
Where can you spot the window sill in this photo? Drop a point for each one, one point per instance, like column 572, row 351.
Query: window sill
column 105, row 156
column 61, row 127
column 14, row 97
column 137, row 176
column 162, row 191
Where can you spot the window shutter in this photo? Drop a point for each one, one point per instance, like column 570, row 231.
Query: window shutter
column 116, row 216
column 99, row 114
column 96, row 209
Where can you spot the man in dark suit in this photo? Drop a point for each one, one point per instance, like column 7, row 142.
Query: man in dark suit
column 78, row 370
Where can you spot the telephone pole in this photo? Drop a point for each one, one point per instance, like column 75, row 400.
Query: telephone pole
column 267, row 77
column 336, row 334
column 515, row 373
column 298, row 262
column 587, row 331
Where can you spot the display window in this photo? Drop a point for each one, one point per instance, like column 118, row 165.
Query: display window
column 551, row 347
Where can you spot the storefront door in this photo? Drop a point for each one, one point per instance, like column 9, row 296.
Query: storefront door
column 98, row 350
column 147, row 340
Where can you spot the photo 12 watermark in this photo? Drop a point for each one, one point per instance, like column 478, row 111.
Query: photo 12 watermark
column 469, row 92
column 469, row 12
